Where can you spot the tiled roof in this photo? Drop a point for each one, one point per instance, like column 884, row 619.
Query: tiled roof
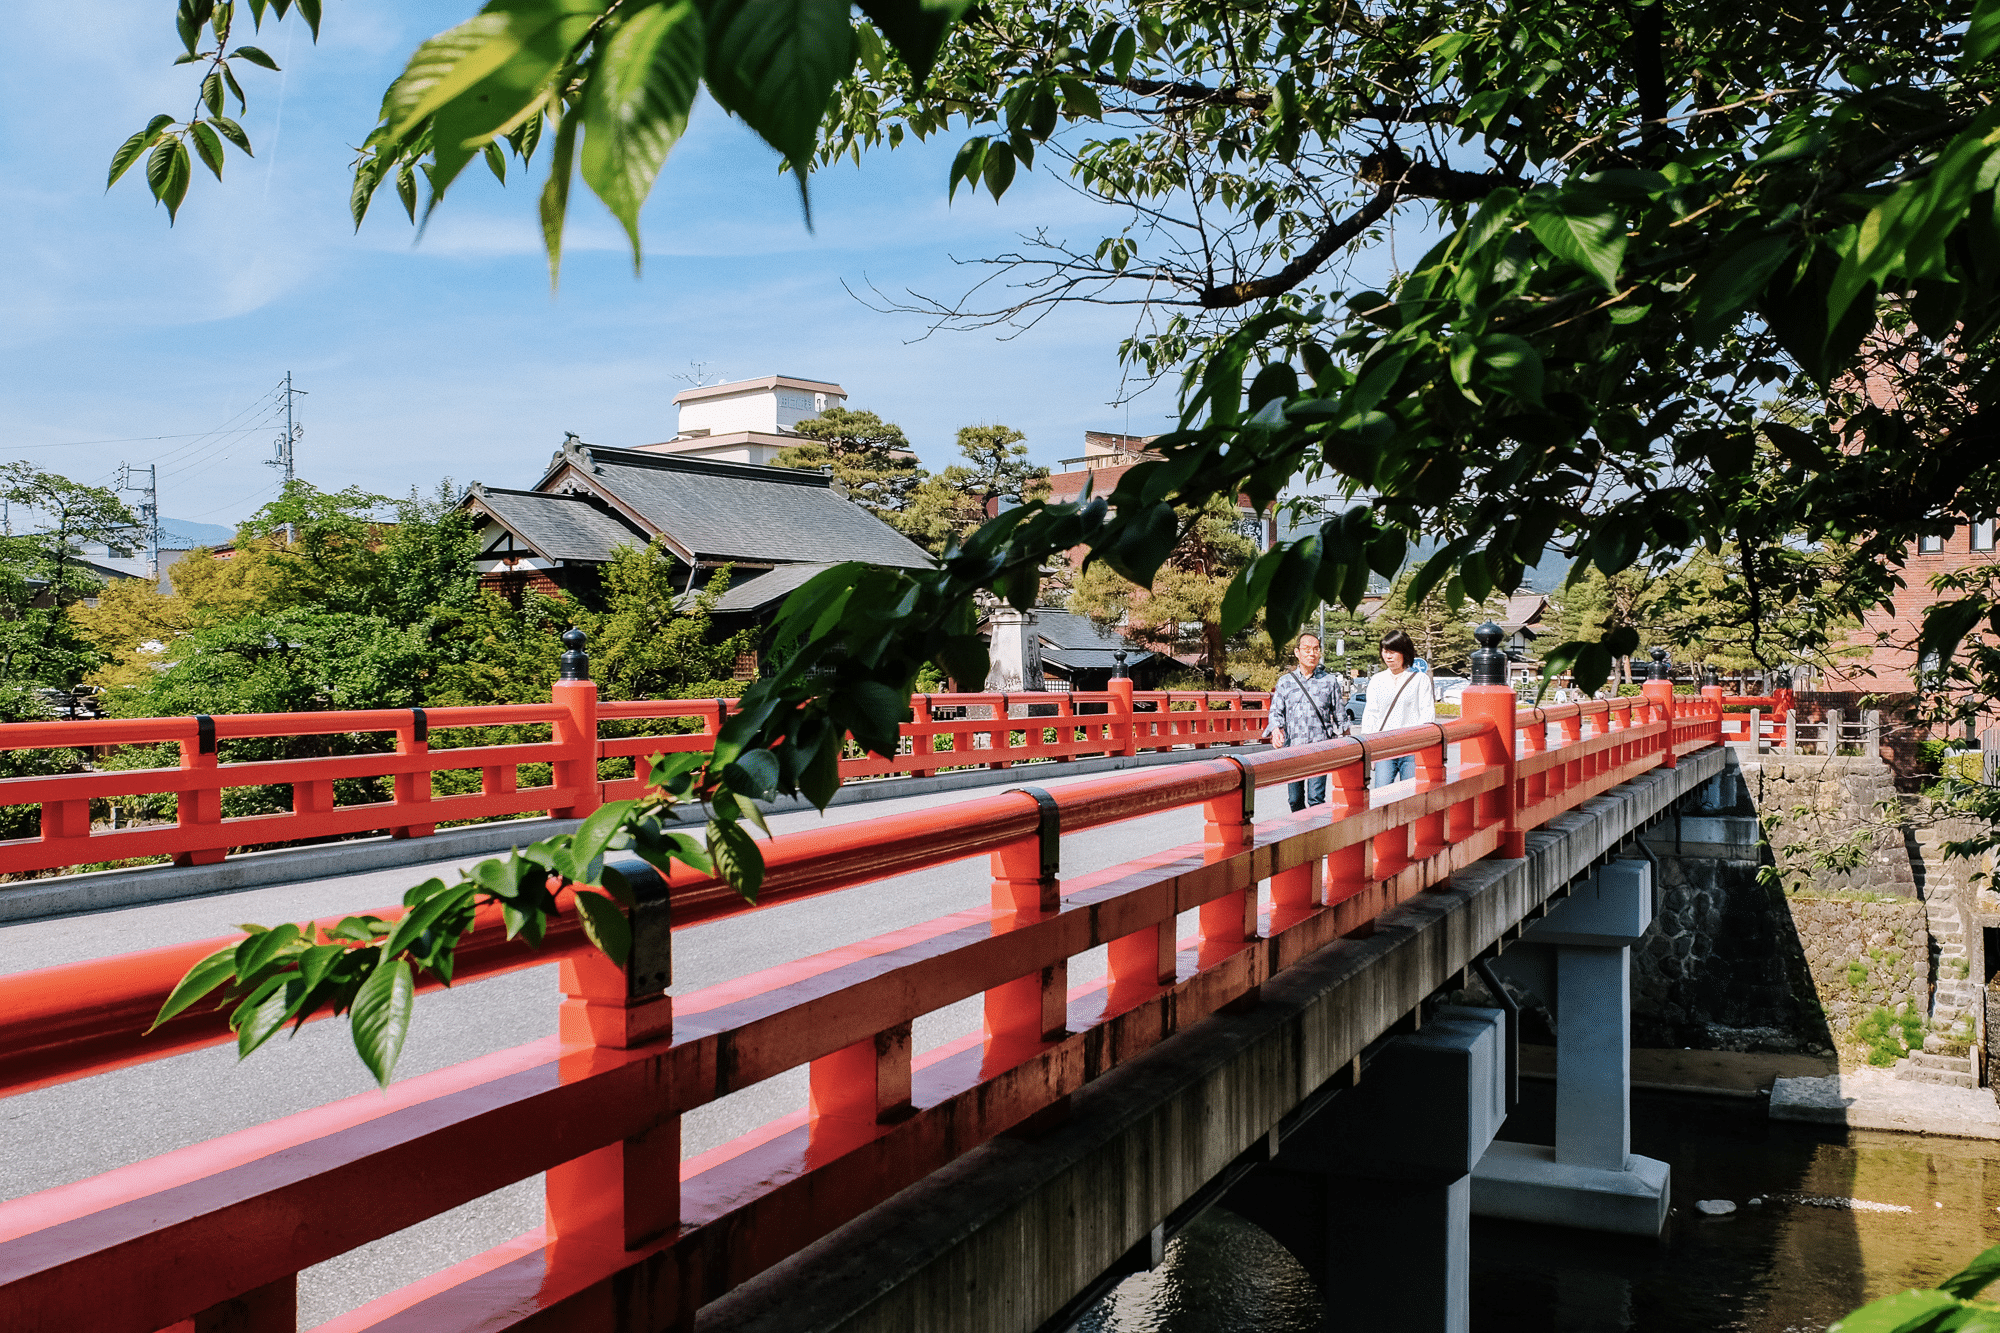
column 766, row 588
column 742, row 511
column 561, row 527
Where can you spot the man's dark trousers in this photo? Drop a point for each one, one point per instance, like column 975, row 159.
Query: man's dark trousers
column 1312, row 791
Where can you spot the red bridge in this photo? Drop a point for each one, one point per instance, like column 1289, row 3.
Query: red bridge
column 1123, row 1100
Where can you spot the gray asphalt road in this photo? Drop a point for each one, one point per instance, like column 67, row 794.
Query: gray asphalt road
column 67, row 1133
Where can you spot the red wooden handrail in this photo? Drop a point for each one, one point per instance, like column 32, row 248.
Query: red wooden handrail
column 161, row 1241
column 981, row 730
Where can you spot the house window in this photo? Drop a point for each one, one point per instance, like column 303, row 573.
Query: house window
column 1929, row 544
column 1982, row 535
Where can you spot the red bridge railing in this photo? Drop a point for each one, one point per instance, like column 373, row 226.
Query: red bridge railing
column 1761, row 719
column 635, row 1236
column 948, row 731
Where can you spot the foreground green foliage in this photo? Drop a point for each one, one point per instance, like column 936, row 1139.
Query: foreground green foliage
column 368, row 968
column 1950, row 1307
column 1715, row 278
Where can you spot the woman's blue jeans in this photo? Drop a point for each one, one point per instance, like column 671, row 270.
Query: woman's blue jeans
column 1395, row 770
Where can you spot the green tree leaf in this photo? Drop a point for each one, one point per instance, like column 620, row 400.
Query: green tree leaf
column 1904, row 1312
column 209, row 145
column 129, row 151
column 380, row 1018
column 1984, row 1270
column 775, row 63
column 606, row 925
column 1580, row 227
column 1982, row 37
column 167, row 172
column 254, row 56
column 736, row 857
column 916, row 28
column 201, row 980
column 233, row 132
column 754, row 775
column 636, row 106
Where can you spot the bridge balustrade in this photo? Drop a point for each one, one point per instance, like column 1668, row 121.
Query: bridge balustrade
column 585, row 765
column 634, row 1236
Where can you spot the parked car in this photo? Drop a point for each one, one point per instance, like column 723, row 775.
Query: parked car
column 1357, row 703
column 1446, row 689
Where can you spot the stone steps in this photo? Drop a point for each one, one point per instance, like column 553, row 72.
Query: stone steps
column 1946, row 1070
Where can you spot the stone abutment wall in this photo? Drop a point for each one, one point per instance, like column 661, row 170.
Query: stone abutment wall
column 1791, row 916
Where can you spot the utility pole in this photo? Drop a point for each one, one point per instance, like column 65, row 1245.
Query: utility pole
column 149, row 508
column 294, row 430
column 285, row 444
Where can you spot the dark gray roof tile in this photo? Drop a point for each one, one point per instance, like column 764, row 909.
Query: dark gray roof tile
column 561, row 527
column 742, row 511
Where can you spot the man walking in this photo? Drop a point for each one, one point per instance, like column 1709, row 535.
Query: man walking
column 1306, row 706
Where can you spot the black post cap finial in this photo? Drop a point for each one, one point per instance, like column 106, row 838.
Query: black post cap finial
column 1782, row 681
column 1710, row 677
column 575, row 664
column 1660, row 670
column 1489, row 664
column 1119, row 672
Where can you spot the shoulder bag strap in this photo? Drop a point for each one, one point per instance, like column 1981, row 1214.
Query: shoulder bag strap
column 1305, row 689
column 1397, row 697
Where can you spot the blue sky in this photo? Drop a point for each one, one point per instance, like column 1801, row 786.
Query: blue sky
column 449, row 357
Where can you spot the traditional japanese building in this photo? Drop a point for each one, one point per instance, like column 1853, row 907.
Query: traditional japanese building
column 773, row 526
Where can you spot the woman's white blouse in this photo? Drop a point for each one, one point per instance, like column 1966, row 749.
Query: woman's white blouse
column 1415, row 708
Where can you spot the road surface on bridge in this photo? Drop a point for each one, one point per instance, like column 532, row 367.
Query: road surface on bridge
column 66, row 1133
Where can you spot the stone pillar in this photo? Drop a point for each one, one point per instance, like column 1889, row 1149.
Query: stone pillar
column 1590, row 1178
column 1374, row 1194
column 1015, row 652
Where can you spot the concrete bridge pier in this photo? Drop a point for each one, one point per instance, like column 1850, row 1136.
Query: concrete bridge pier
column 1374, row 1194
column 1578, row 959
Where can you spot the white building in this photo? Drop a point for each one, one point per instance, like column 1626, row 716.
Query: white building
column 749, row 421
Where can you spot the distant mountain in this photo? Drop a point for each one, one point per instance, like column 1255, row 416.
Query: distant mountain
column 179, row 534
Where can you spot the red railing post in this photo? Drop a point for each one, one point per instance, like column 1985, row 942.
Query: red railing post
column 632, row 1185
column 413, row 789
column 1347, row 872
column 1122, row 714
column 1229, row 824
column 200, row 807
column 1027, row 886
column 576, row 732
column 1661, row 693
column 1495, row 705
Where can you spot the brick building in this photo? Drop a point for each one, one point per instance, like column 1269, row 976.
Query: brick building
column 1891, row 666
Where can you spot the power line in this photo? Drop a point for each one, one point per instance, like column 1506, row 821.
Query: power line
column 138, row 439
column 233, row 503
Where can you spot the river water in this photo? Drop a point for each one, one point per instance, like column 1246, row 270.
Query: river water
column 1847, row 1216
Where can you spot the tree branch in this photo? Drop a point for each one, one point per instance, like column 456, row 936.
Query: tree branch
column 1395, row 177
column 1253, row 99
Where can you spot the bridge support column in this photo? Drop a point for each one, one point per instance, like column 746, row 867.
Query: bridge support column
column 1578, row 959
column 1374, row 1194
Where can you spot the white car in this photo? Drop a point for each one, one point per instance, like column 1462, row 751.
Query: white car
column 1448, row 688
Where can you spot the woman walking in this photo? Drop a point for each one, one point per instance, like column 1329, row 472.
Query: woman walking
column 1398, row 696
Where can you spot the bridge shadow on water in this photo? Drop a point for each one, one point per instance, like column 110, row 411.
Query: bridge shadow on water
column 1845, row 1217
